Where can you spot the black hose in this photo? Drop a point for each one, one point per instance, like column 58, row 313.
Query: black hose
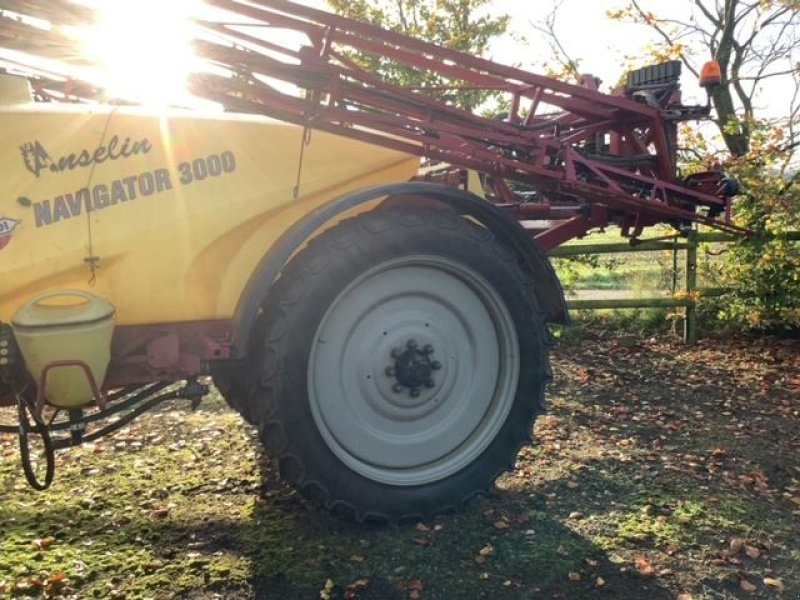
column 137, row 404
column 24, row 446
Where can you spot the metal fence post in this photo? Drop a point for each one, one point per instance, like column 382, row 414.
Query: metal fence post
column 690, row 325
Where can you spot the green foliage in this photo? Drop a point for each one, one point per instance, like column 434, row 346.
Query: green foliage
column 572, row 269
column 464, row 25
column 764, row 271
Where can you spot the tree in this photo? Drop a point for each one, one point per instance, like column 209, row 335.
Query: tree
column 562, row 66
column 463, row 25
column 756, row 42
column 753, row 40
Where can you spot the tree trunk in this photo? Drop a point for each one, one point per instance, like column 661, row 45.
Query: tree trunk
column 733, row 130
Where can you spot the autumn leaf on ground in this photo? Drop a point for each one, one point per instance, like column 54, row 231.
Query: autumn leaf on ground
column 747, row 586
column 484, row 554
column 752, row 552
column 776, row 583
column 325, row 592
column 43, row 543
column 735, row 546
column 352, row 590
column 643, row 566
column 502, row 524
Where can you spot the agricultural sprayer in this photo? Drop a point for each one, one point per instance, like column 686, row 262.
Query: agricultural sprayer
column 383, row 326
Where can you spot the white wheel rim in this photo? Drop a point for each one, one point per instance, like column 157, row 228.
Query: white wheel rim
column 392, row 436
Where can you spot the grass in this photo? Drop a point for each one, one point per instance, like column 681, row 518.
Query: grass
column 660, row 470
column 641, row 272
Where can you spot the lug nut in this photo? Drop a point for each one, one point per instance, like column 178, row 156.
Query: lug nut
column 436, row 365
column 397, row 352
column 412, row 343
column 427, row 349
column 397, row 388
column 389, row 371
column 414, row 392
column 430, row 383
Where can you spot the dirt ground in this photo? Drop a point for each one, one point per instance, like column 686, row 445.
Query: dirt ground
column 660, row 471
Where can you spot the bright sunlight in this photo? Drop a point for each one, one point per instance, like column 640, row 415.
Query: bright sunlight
column 143, row 49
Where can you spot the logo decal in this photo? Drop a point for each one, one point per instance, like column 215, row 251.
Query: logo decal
column 7, row 226
column 37, row 159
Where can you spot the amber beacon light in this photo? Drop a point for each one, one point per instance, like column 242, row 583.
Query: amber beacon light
column 710, row 76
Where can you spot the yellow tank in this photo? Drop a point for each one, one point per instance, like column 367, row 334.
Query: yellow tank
column 167, row 214
column 66, row 325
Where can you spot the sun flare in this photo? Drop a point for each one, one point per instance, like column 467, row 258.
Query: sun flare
column 143, row 49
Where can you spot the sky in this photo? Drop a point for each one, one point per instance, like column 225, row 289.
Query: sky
column 597, row 42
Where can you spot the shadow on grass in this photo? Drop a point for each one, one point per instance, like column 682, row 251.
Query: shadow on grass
column 511, row 545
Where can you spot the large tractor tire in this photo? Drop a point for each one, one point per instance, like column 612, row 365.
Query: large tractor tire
column 402, row 361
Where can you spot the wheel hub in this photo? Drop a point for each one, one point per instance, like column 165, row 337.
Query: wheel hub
column 370, row 366
column 413, row 368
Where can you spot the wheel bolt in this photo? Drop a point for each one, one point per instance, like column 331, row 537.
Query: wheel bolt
column 436, row 365
column 412, row 343
column 397, row 388
column 413, row 392
column 430, row 383
column 427, row 349
column 389, row 371
column 397, row 352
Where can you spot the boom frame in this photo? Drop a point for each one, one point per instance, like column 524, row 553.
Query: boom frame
column 584, row 158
